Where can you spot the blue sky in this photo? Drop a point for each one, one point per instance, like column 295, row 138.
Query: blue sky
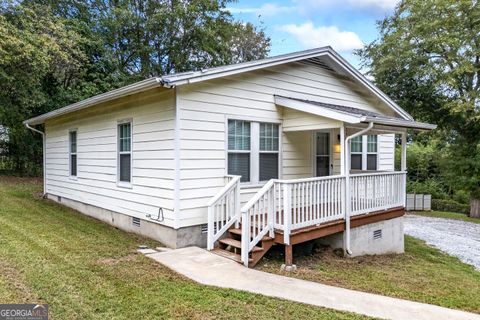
column 295, row 25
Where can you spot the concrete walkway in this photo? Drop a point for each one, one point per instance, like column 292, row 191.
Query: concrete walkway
column 209, row 269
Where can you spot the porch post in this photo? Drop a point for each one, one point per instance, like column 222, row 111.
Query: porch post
column 342, row 150
column 404, row 152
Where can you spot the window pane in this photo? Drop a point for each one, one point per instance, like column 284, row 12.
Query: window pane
column 125, row 167
column 238, row 135
column 323, row 144
column 268, row 166
column 124, row 135
column 372, row 143
column 268, row 137
column 356, row 144
column 356, row 162
column 371, row 162
column 323, row 166
column 239, row 165
column 73, row 142
column 73, row 165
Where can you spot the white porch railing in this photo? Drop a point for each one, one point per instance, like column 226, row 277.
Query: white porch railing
column 376, row 191
column 288, row 205
column 223, row 211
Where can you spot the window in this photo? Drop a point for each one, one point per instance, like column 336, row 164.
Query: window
column 124, row 151
column 72, row 137
column 253, row 150
column 268, row 152
column 239, row 149
column 364, row 153
column 372, row 146
column 356, row 147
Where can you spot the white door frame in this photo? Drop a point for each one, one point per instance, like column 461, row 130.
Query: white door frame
column 314, row 151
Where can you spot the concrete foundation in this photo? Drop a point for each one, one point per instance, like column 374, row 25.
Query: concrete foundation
column 383, row 237
column 170, row 237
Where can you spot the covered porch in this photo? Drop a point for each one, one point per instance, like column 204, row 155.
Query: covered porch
column 348, row 184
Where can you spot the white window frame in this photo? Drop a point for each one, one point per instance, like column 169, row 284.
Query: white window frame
column 365, row 152
column 365, row 142
column 70, row 153
column 362, row 153
column 254, row 149
column 124, row 184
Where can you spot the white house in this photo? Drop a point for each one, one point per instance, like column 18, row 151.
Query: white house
column 237, row 158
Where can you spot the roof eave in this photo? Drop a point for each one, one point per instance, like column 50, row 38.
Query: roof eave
column 104, row 97
column 402, row 123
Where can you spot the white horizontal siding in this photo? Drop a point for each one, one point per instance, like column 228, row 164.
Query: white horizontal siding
column 204, row 108
column 152, row 184
column 386, row 152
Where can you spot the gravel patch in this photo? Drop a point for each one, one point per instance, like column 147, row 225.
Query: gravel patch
column 457, row 238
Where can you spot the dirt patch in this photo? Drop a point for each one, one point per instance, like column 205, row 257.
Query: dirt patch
column 20, row 180
column 14, row 280
column 115, row 261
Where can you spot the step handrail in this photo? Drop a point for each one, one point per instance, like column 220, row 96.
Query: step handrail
column 219, row 222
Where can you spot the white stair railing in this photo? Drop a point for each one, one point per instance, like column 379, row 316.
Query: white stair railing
column 223, row 211
column 257, row 219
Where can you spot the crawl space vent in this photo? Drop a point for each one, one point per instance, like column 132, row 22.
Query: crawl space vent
column 136, row 221
column 205, row 228
column 377, row 234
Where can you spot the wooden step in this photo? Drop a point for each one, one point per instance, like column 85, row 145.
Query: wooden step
column 229, row 255
column 237, row 244
column 238, row 232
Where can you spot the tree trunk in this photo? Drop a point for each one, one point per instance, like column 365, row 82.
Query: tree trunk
column 474, row 208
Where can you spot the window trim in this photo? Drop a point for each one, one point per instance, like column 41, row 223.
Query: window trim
column 124, row 184
column 72, row 177
column 254, row 148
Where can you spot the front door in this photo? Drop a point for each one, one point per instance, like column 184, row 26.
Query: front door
column 322, row 156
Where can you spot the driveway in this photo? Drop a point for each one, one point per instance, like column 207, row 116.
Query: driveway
column 458, row 238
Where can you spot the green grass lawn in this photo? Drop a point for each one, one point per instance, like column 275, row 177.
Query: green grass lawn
column 422, row 274
column 447, row 215
column 85, row 269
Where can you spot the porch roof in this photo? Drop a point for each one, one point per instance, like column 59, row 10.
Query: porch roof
column 349, row 114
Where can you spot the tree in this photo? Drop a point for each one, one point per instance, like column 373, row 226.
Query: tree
column 56, row 52
column 35, row 50
column 427, row 58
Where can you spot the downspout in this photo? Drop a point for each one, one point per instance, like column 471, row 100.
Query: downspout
column 348, row 203
column 44, row 157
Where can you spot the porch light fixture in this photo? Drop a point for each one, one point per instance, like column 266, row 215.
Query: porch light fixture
column 337, row 147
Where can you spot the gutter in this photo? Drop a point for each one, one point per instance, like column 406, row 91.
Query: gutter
column 44, row 157
column 348, row 203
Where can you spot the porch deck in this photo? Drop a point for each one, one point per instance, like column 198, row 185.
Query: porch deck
column 293, row 211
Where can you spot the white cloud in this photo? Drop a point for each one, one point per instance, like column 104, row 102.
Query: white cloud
column 267, row 9
column 310, row 36
column 378, row 5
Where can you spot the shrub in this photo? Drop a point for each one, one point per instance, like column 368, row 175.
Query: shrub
column 450, row 206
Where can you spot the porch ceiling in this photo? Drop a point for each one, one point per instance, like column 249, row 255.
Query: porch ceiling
column 349, row 115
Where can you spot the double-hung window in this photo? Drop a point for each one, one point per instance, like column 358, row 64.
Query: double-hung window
column 253, row 150
column 239, row 149
column 125, row 152
column 268, row 158
column 356, row 147
column 364, row 152
column 372, row 148
column 72, row 141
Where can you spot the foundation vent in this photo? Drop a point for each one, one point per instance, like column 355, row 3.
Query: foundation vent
column 136, row 221
column 205, row 228
column 377, row 234
column 59, row 199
